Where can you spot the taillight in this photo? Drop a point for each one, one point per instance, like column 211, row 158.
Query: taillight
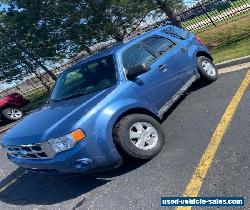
column 200, row 40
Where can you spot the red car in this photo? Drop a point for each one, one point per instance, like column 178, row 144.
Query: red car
column 10, row 107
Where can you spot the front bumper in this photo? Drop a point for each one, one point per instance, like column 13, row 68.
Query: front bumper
column 88, row 155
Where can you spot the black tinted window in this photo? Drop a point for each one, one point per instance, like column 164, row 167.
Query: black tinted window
column 158, row 44
column 135, row 55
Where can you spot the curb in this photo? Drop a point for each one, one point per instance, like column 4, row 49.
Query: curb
column 233, row 62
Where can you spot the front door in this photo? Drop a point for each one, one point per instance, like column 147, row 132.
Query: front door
column 173, row 63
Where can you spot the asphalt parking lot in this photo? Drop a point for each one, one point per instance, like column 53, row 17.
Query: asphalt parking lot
column 189, row 128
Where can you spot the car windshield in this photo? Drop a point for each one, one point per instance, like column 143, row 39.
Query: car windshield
column 84, row 79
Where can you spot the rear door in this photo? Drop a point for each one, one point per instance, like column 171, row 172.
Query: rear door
column 172, row 61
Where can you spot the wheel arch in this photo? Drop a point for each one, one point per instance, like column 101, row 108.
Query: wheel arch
column 105, row 122
column 137, row 110
column 6, row 106
column 204, row 53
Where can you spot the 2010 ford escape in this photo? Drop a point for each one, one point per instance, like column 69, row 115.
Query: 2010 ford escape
column 108, row 107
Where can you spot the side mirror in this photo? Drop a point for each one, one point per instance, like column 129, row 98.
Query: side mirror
column 137, row 70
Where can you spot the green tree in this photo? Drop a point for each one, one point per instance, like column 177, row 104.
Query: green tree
column 14, row 65
column 169, row 7
column 115, row 18
column 42, row 32
column 21, row 30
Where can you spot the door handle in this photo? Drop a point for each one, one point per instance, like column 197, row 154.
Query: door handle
column 183, row 49
column 163, row 68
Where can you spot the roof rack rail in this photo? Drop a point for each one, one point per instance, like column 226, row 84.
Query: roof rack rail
column 147, row 28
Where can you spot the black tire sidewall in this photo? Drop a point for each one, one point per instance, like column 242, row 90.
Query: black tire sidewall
column 125, row 145
column 204, row 75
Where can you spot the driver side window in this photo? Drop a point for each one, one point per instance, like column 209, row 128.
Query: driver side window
column 135, row 55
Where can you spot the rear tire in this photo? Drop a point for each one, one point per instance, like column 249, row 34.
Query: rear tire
column 207, row 69
column 12, row 114
column 138, row 136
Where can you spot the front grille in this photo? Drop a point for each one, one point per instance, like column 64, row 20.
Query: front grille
column 31, row 151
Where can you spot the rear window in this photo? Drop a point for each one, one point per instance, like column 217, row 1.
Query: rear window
column 158, row 44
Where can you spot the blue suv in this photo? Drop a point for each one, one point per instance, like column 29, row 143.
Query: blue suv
column 109, row 106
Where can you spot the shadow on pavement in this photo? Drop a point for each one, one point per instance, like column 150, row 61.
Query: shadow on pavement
column 47, row 190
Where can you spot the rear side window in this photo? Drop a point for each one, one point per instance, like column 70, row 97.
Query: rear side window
column 176, row 32
column 136, row 55
column 158, row 44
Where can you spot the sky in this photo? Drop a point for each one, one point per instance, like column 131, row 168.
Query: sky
column 3, row 6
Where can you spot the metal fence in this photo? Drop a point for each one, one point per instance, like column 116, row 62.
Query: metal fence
column 210, row 13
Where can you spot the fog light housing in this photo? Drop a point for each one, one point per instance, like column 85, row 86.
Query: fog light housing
column 84, row 163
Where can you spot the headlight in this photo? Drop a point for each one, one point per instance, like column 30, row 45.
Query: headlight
column 66, row 142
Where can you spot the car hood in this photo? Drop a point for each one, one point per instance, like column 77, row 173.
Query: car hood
column 52, row 120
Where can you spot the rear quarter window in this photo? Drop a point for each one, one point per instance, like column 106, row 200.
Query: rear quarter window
column 176, row 32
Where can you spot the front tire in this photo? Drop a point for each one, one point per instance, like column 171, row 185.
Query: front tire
column 207, row 69
column 12, row 114
column 138, row 136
